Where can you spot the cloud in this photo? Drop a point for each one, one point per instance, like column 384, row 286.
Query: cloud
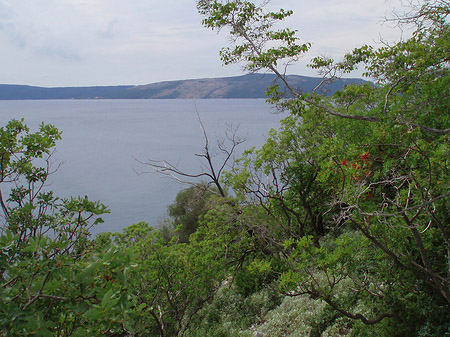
column 28, row 32
column 5, row 12
column 8, row 28
column 109, row 32
column 40, row 41
column 13, row 35
column 60, row 52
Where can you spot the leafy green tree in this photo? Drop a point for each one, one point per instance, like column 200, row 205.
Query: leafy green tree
column 184, row 214
column 172, row 281
column 52, row 280
column 358, row 183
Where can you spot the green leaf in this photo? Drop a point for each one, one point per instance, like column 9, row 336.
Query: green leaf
column 106, row 298
column 44, row 332
column 94, row 314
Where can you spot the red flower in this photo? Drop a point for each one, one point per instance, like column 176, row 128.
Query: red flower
column 354, row 165
column 365, row 156
column 344, row 162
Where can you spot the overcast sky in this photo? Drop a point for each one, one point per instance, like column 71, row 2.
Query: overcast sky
column 110, row 42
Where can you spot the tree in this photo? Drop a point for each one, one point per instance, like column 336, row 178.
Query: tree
column 185, row 213
column 172, row 281
column 53, row 281
column 358, row 182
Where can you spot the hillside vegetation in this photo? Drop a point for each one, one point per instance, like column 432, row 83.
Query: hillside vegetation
column 246, row 86
column 339, row 225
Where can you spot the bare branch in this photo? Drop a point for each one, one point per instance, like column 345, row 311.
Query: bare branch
column 209, row 167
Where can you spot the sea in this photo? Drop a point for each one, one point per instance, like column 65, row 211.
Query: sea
column 106, row 144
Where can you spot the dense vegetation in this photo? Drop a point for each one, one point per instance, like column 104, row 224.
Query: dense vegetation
column 338, row 226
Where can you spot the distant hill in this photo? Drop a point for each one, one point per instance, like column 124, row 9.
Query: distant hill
column 246, row 86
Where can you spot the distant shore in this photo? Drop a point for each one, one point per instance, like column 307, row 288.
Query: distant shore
column 245, row 86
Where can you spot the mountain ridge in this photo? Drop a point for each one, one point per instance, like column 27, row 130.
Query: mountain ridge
column 244, row 86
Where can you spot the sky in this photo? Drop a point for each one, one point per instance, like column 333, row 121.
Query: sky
column 54, row 43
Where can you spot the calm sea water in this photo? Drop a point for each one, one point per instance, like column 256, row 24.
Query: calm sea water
column 103, row 138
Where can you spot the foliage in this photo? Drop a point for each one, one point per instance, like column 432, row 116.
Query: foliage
column 232, row 314
column 357, row 184
column 341, row 216
column 250, row 28
column 53, row 282
column 172, row 281
column 184, row 214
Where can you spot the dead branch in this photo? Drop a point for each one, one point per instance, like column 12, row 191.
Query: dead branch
column 211, row 169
